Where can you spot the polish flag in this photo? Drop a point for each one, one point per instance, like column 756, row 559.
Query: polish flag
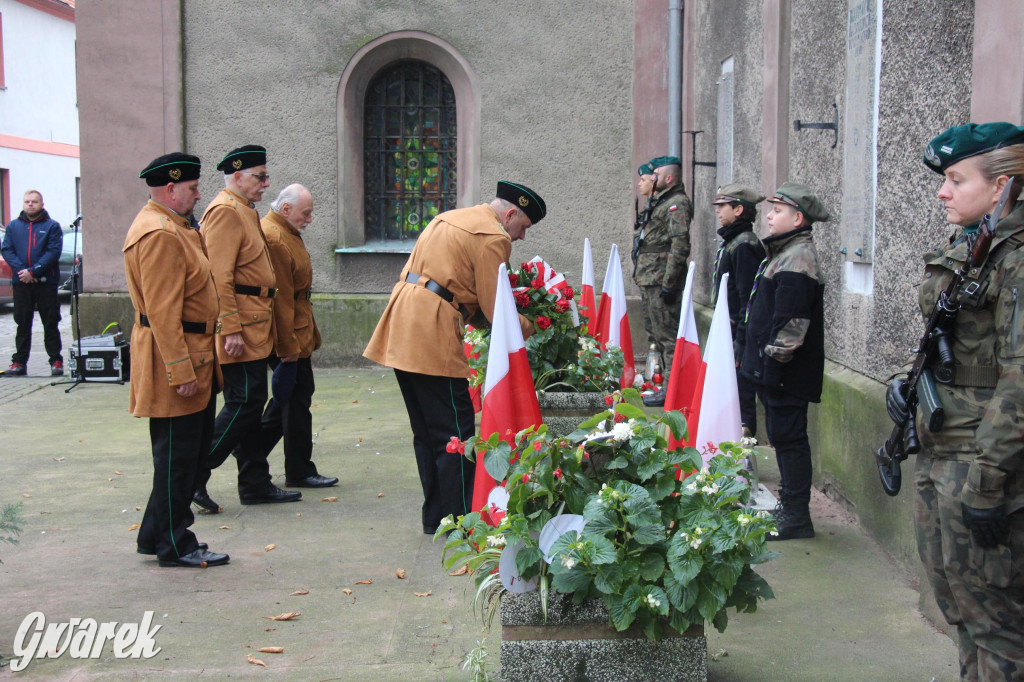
column 719, row 405
column 510, row 400
column 612, row 320
column 687, row 375
column 588, row 303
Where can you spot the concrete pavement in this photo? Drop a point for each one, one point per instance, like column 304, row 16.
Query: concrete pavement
column 80, row 464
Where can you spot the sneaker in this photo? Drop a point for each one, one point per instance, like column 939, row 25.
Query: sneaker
column 57, row 368
column 17, row 369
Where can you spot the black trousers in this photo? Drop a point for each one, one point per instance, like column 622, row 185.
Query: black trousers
column 439, row 408
column 27, row 299
column 178, row 446
column 748, row 401
column 237, row 428
column 786, row 423
column 292, row 421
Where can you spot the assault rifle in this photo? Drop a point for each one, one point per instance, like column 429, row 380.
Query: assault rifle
column 641, row 224
column 935, row 360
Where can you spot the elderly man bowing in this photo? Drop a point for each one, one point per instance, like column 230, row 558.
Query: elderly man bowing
column 174, row 363
column 295, row 338
column 451, row 273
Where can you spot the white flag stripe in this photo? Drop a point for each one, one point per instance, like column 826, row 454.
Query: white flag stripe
column 720, row 405
column 588, row 266
column 506, row 334
column 615, row 290
column 687, row 322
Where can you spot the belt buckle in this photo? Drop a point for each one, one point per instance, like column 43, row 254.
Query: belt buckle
column 271, row 292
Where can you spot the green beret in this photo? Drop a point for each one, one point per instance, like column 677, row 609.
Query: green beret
column 661, row 161
column 645, row 169
column 735, row 192
column 249, row 156
column 173, row 167
column 800, row 197
column 960, row 142
column 528, row 201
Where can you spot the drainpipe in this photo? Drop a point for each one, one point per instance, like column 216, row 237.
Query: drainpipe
column 675, row 77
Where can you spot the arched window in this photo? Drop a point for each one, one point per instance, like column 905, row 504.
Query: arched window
column 409, row 150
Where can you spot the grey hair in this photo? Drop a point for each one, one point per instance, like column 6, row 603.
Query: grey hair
column 289, row 195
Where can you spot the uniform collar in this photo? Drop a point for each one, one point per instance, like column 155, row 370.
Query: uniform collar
column 280, row 221
column 241, row 198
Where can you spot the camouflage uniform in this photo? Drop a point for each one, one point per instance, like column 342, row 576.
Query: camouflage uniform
column 662, row 263
column 978, row 459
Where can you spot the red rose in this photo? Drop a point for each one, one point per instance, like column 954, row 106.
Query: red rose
column 569, row 293
column 543, row 322
column 455, row 445
column 558, row 473
column 537, row 283
column 513, row 279
column 619, row 418
column 563, row 306
column 526, row 266
column 522, row 299
column 609, row 400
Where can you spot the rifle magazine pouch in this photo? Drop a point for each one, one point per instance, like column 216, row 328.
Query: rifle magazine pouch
column 930, row 403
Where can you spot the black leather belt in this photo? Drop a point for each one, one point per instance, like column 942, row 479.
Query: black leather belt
column 431, row 285
column 187, row 327
column 306, row 294
column 262, row 292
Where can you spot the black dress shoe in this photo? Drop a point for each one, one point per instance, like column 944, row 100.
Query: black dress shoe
column 206, row 505
column 201, row 558
column 152, row 550
column 271, row 494
column 316, row 481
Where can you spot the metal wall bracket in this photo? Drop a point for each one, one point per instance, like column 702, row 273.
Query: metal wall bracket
column 694, row 162
column 799, row 125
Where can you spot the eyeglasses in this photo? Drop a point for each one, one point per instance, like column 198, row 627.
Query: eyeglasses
column 262, row 177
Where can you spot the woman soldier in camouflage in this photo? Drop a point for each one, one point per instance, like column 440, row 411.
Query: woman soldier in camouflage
column 969, row 478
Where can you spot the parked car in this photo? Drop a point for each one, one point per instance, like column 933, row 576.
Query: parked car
column 6, row 294
column 66, row 264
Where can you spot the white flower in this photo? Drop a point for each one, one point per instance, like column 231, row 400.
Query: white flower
column 692, row 487
column 447, row 521
column 695, row 543
column 653, row 602
column 748, row 442
column 496, row 540
column 698, row 531
column 568, row 561
column 743, row 519
column 621, row 431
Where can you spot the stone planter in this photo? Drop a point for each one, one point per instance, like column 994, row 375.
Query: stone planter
column 564, row 412
column 578, row 643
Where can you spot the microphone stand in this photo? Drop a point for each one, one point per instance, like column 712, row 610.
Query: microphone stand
column 75, row 286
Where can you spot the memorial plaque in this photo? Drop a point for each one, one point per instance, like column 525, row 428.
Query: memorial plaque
column 725, row 124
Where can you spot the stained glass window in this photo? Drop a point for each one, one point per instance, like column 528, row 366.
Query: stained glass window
column 409, row 150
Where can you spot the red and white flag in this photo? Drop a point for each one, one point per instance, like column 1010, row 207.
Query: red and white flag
column 588, row 303
column 720, row 398
column 612, row 320
column 687, row 372
column 510, row 400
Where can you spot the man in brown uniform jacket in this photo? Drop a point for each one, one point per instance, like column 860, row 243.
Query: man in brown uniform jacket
column 296, row 337
column 245, row 281
column 174, row 366
column 451, row 273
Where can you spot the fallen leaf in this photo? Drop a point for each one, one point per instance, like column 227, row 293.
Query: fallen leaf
column 26, row 495
column 359, row 440
column 463, row 570
column 269, row 629
column 424, row 594
column 271, row 650
column 347, row 591
column 364, row 582
column 110, row 479
column 269, row 547
column 291, row 615
column 138, row 509
column 355, row 401
column 134, row 526
column 224, row 528
column 118, row 473
column 299, row 514
column 256, row 661
column 400, row 573
column 329, row 499
column 380, row 494
column 202, row 564
column 298, row 592
column 60, row 459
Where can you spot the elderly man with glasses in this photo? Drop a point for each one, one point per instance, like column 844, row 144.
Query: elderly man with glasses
column 241, row 266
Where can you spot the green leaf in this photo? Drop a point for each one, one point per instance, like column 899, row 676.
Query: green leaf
column 652, row 566
column 679, row 622
column 617, row 463
column 676, row 423
column 663, row 486
column 622, row 616
column 528, row 561
column 601, row 550
column 633, row 397
column 727, row 571
column 608, row 579
column 649, row 534
column 652, row 626
column 659, row 596
column 720, row 620
column 595, row 420
column 631, row 411
column 496, row 461
column 649, row 468
column 571, row 581
column 710, row 599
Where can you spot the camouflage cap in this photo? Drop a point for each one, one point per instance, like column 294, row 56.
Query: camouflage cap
column 961, row 142
column 662, row 161
column 802, row 199
column 735, row 192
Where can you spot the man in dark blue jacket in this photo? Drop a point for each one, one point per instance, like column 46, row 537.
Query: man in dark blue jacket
column 32, row 246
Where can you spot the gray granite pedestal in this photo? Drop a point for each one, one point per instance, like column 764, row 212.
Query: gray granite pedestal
column 564, row 412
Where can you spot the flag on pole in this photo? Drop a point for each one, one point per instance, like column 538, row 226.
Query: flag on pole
column 509, row 398
column 612, row 320
column 588, row 303
column 687, row 369
column 720, row 398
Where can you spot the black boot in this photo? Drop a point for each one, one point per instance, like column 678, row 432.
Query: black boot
column 202, row 500
column 794, row 522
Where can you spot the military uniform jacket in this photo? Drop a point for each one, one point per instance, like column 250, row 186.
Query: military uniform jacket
column 739, row 255
column 420, row 331
column 239, row 255
column 785, row 336
column 983, row 421
column 169, row 281
column 295, row 330
column 662, row 258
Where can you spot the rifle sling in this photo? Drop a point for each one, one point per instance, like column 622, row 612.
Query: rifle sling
column 977, row 376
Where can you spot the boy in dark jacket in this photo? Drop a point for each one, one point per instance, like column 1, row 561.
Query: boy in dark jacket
column 32, row 246
column 784, row 351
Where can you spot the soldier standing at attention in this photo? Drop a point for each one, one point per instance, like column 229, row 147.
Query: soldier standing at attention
column 174, row 364
column 245, row 280
column 451, row 273
column 739, row 254
column 969, row 477
column 661, row 247
column 784, row 350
